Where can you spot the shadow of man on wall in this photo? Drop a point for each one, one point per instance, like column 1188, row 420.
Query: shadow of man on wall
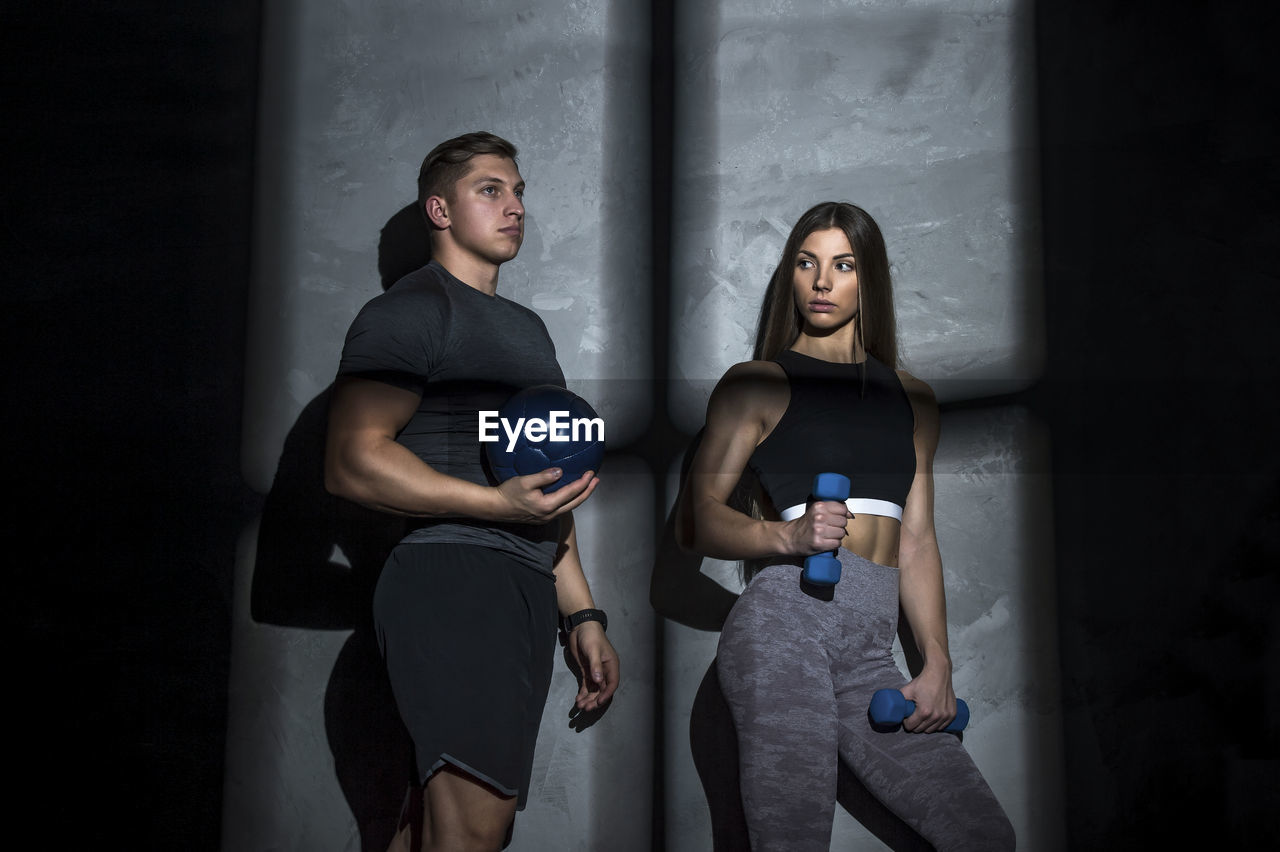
column 318, row 562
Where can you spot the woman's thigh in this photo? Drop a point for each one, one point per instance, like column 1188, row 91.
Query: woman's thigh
column 775, row 675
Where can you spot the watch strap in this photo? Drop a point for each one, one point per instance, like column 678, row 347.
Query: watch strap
column 571, row 621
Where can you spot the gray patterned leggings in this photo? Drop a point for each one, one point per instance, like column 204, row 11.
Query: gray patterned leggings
column 798, row 674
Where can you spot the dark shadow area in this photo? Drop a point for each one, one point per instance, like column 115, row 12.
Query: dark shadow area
column 403, row 244
column 316, row 566
column 129, row 129
column 372, row 751
column 662, row 107
column 317, row 562
column 318, row 556
column 1160, row 182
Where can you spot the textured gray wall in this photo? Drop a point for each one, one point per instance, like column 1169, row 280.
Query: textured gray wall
column 352, row 101
column 920, row 113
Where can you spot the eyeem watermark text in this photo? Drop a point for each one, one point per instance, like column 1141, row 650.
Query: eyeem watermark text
column 560, row 427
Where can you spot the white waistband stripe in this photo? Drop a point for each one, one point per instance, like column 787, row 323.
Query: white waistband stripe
column 857, row 505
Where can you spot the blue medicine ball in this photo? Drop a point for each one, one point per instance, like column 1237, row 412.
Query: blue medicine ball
column 573, row 436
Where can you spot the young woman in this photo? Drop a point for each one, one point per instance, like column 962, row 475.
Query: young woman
column 798, row 663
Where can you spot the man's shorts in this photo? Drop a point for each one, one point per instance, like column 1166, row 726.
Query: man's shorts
column 469, row 637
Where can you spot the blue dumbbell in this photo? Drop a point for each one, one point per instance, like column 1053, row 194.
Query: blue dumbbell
column 889, row 707
column 823, row 569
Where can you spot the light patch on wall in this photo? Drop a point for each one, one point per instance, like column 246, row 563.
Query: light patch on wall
column 991, row 623
column 320, row 284
column 339, row 557
column 719, row 310
column 552, row 301
column 593, row 338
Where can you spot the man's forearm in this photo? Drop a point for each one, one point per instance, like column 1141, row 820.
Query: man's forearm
column 572, row 590
column 384, row 475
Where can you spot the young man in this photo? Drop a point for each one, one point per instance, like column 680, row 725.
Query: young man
column 466, row 606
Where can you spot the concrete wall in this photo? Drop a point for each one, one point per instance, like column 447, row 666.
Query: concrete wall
column 919, row 112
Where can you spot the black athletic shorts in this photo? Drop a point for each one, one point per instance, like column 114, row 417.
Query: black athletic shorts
column 469, row 637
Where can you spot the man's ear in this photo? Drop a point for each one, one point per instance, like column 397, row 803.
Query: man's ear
column 437, row 211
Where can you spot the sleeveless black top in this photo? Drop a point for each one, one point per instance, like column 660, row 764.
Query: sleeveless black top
column 832, row 426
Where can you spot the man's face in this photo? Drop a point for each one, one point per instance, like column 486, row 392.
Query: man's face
column 486, row 212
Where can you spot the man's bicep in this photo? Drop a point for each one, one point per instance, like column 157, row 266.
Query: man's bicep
column 370, row 407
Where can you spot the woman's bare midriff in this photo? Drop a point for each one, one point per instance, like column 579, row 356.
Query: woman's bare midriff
column 873, row 537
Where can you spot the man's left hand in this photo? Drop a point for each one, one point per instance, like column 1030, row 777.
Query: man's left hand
column 598, row 664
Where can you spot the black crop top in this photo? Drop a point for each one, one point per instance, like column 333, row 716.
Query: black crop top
column 831, row 426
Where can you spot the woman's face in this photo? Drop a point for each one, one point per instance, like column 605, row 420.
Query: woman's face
column 825, row 280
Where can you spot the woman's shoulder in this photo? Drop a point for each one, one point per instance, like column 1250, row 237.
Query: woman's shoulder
column 755, row 370
column 748, row 385
column 752, row 377
column 916, row 388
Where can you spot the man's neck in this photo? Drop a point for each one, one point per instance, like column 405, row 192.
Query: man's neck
column 476, row 273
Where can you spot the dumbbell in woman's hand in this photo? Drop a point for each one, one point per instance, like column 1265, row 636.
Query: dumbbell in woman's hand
column 889, row 708
column 823, row 569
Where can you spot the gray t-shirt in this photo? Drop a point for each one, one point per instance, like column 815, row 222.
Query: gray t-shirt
column 463, row 351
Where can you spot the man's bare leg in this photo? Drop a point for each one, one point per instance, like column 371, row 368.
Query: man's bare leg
column 458, row 812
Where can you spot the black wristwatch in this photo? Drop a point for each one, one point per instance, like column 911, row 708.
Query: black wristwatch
column 568, row 622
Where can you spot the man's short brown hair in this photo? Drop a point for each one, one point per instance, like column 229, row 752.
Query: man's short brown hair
column 447, row 163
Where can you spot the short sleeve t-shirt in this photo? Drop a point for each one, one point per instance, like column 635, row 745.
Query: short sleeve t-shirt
column 464, row 351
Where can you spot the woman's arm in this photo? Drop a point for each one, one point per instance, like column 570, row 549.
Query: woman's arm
column 591, row 650
column 744, row 407
column 678, row 589
column 920, row 583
